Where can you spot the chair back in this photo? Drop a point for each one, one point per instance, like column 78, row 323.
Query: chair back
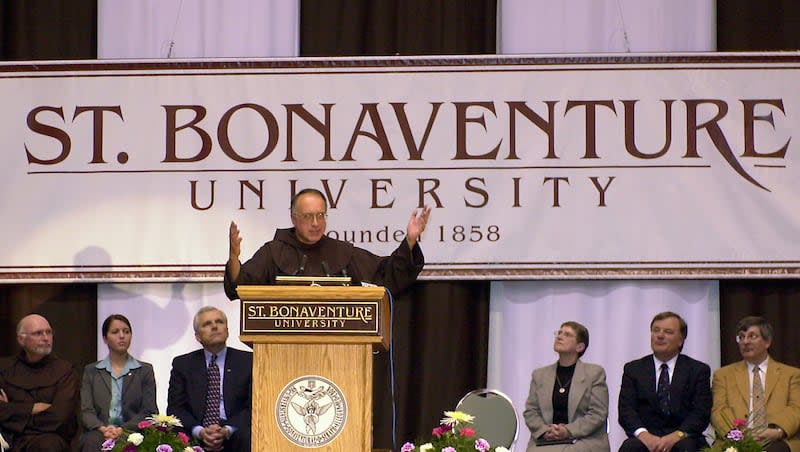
column 495, row 416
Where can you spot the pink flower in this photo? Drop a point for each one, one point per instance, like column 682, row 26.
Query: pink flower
column 468, row 432
column 739, row 423
column 144, row 424
column 407, row 447
column 441, row 430
column 184, row 439
column 129, row 448
column 482, row 445
column 449, row 449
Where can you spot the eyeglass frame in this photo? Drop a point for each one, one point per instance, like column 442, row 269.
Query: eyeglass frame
column 38, row 333
column 750, row 337
column 310, row 216
column 558, row 333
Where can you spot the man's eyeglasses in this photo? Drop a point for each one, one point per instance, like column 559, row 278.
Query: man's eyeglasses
column 563, row 333
column 309, row 216
column 751, row 337
column 38, row 333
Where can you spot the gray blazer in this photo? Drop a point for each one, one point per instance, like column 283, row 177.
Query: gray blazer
column 587, row 408
column 138, row 396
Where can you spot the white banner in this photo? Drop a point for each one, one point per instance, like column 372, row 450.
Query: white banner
column 573, row 167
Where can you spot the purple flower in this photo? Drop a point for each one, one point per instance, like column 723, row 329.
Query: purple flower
column 407, row 447
column 481, row 445
column 164, row 448
column 197, row 449
column 735, row 435
column 449, row 449
column 129, row 448
column 108, row 444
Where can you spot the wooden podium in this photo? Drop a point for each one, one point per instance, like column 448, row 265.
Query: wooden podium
column 312, row 364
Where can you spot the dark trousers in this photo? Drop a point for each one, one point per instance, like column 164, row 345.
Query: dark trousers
column 49, row 442
column 778, row 446
column 689, row 444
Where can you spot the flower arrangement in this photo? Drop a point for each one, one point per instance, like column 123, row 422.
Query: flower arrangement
column 155, row 434
column 453, row 435
column 738, row 439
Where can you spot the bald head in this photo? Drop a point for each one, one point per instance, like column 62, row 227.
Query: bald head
column 35, row 336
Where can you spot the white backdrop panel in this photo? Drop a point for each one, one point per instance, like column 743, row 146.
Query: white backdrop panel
column 524, row 316
column 161, row 317
column 593, row 26
column 197, row 28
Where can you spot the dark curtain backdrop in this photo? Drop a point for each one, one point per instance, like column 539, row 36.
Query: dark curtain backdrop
column 70, row 308
column 397, row 27
column 745, row 25
column 441, row 329
column 441, row 332
column 50, row 30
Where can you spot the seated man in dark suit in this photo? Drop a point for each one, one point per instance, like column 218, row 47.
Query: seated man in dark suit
column 210, row 389
column 760, row 389
column 665, row 399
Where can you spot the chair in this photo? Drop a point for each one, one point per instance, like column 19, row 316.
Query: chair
column 495, row 416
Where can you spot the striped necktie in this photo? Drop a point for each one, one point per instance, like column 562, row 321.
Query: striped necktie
column 212, row 395
column 662, row 391
column 758, row 417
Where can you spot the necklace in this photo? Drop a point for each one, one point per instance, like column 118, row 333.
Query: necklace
column 562, row 388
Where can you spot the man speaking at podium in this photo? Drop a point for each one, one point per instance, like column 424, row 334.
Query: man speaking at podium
column 305, row 250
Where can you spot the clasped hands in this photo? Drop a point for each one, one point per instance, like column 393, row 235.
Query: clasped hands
column 110, row 431
column 768, row 435
column 213, row 437
column 556, row 432
column 658, row 443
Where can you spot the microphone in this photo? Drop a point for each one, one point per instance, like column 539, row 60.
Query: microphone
column 325, row 268
column 302, row 267
column 344, row 272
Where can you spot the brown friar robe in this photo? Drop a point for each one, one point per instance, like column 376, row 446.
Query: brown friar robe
column 285, row 255
column 51, row 380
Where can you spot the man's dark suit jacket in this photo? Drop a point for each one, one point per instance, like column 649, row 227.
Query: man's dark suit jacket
column 188, row 384
column 690, row 398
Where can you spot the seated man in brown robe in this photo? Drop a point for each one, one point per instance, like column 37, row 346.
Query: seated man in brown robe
column 38, row 392
column 305, row 250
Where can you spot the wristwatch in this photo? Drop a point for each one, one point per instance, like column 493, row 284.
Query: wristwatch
column 779, row 429
column 680, row 434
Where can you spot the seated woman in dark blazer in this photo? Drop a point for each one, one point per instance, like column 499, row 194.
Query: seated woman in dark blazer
column 118, row 391
column 567, row 407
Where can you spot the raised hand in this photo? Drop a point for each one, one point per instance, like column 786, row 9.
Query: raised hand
column 416, row 225
column 234, row 242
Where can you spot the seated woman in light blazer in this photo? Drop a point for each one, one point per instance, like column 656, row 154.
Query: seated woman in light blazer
column 118, row 391
column 567, row 407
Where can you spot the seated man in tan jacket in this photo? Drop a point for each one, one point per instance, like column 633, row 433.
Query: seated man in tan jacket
column 759, row 389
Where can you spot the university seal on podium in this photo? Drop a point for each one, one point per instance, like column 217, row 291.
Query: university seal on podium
column 311, row 411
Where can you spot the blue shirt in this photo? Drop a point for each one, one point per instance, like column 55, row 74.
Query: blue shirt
column 117, row 381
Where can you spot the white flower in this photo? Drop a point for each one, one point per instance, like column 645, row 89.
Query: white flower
column 426, row 447
column 452, row 418
column 503, row 449
column 731, row 449
column 165, row 420
column 188, row 449
column 135, row 438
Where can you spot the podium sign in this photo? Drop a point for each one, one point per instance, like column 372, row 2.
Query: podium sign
column 318, row 317
column 312, row 364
